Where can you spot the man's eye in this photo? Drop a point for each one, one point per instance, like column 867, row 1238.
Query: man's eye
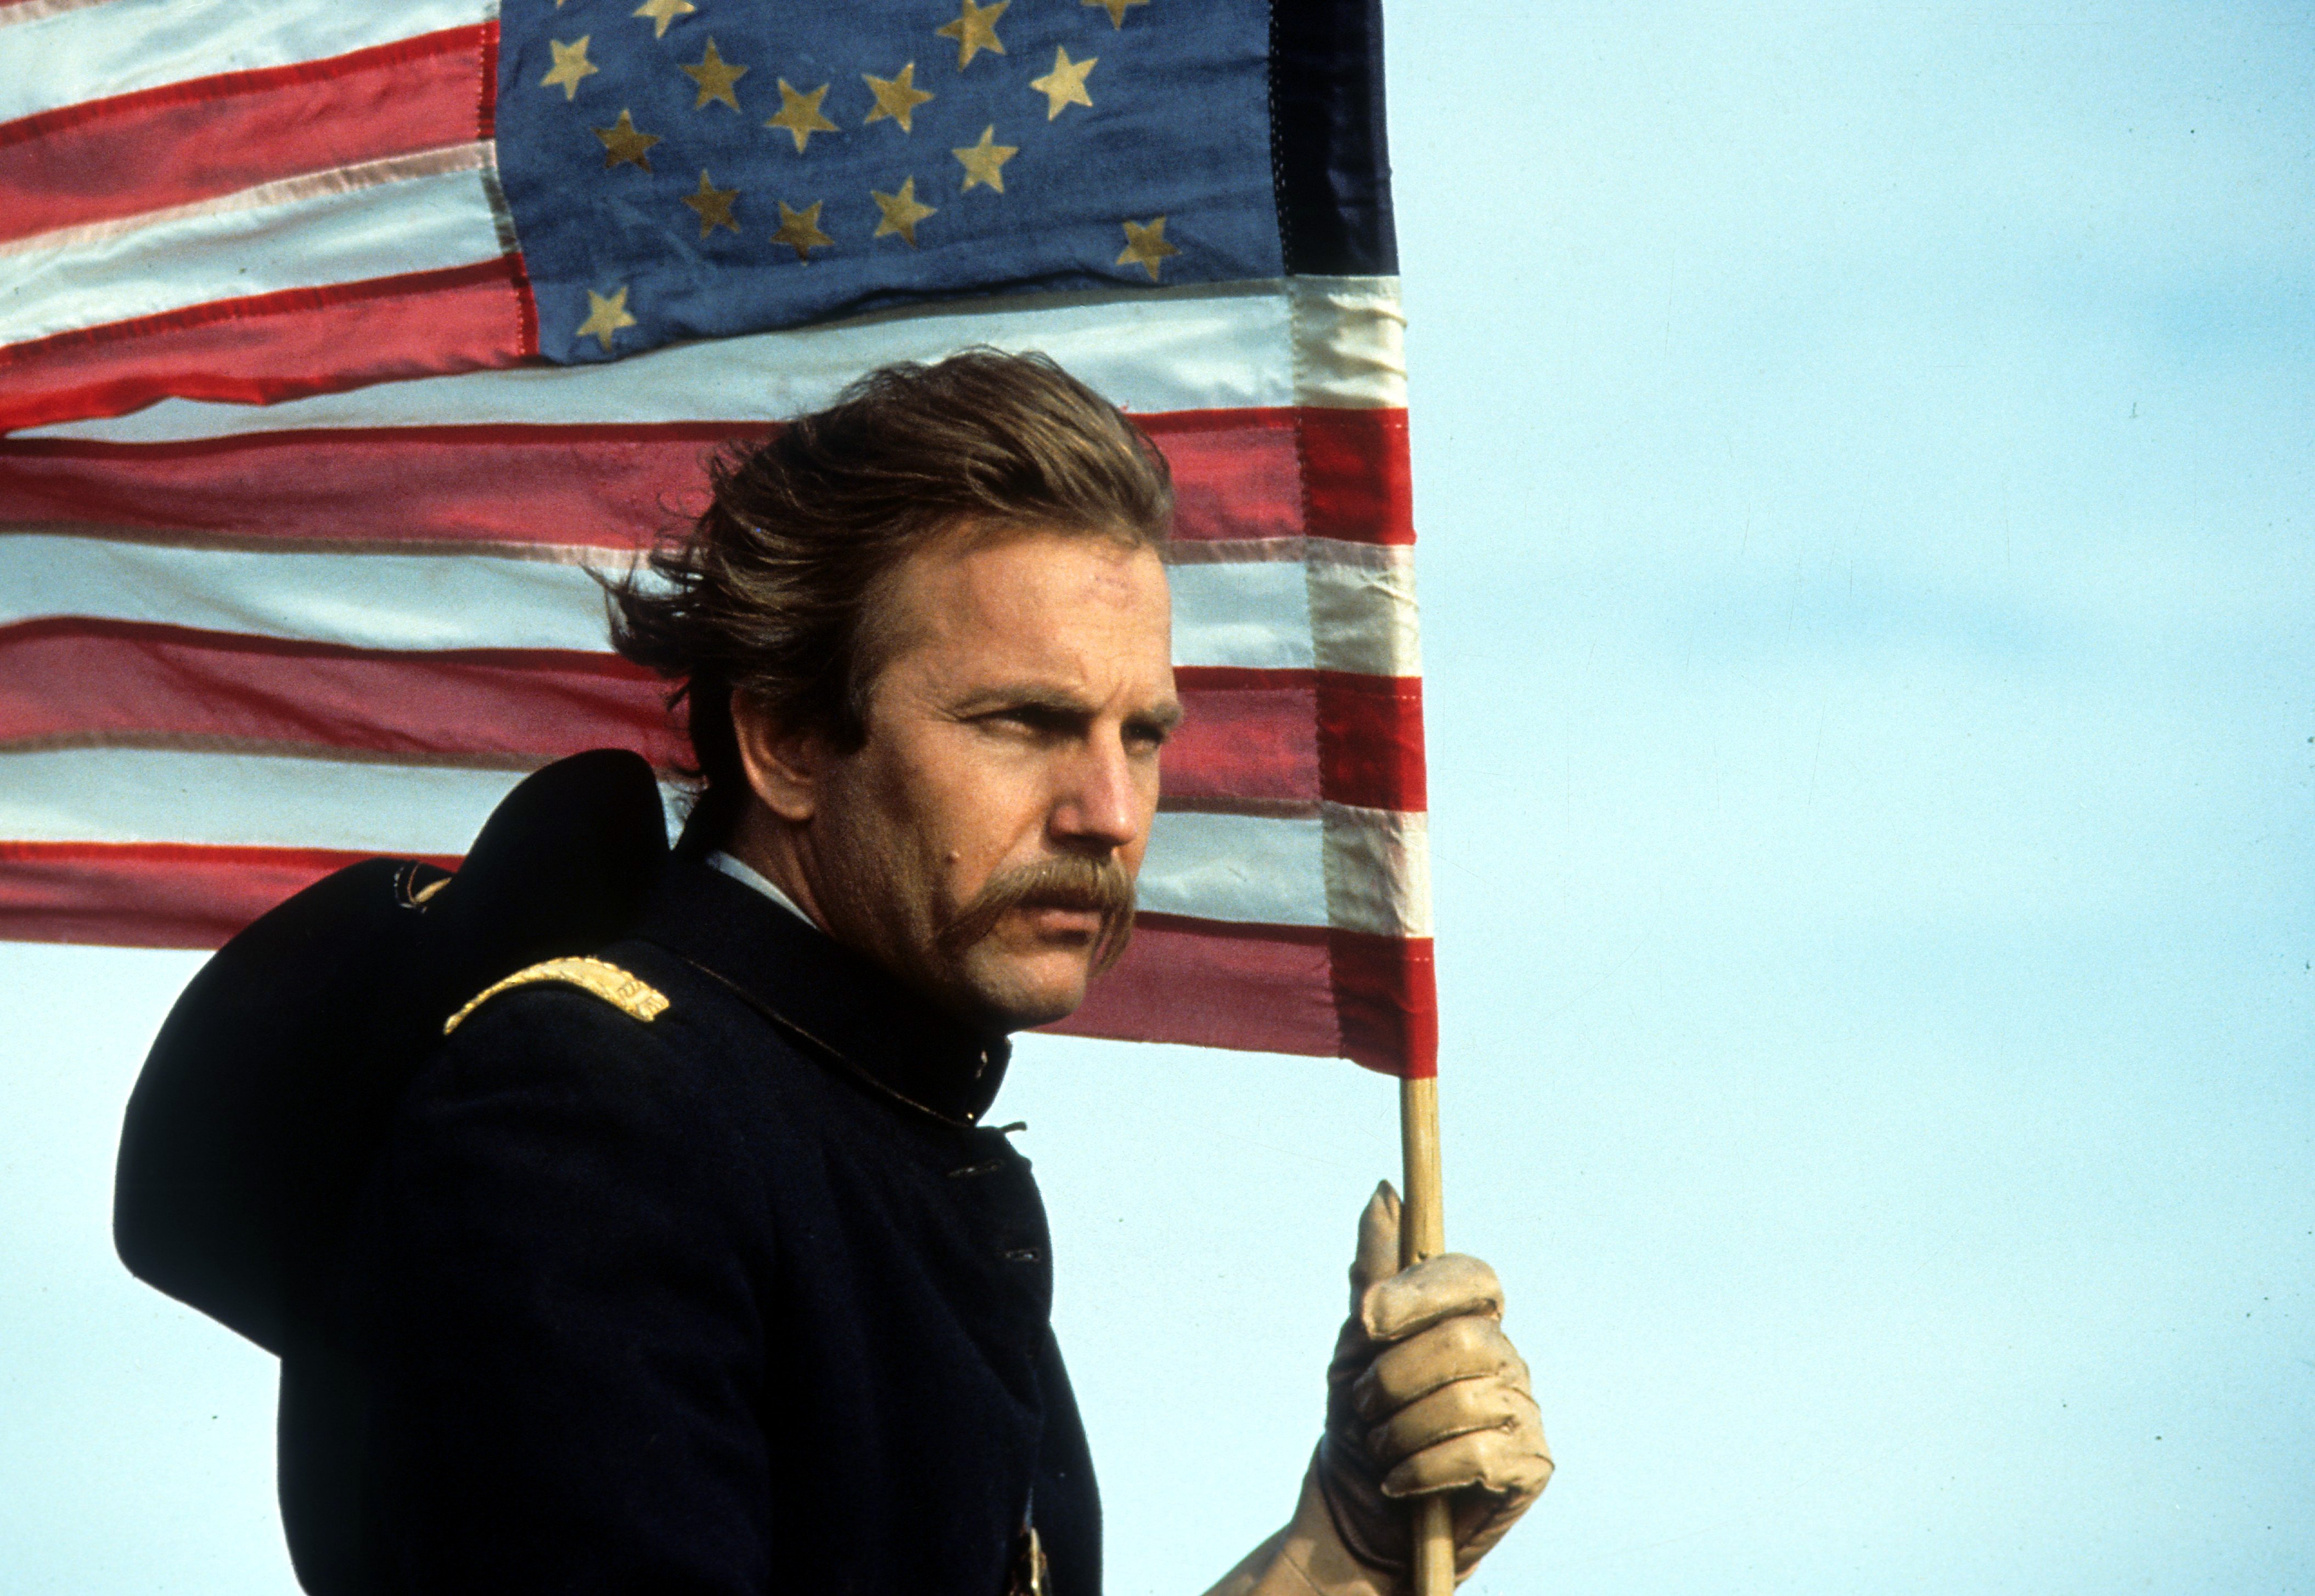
column 1026, row 722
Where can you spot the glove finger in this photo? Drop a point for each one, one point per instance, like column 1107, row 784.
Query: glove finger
column 1514, row 1462
column 1437, row 1289
column 1461, row 1349
column 1460, row 1409
column 1377, row 1255
column 1483, row 1517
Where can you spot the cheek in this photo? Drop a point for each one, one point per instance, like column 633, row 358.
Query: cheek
column 956, row 821
column 990, row 811
column 879, row 836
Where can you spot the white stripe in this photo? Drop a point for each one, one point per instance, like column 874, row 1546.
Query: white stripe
column 1225, row 347
column 378, row 601
column 1362, row 611
column 33, row 11
column 1236, row 867
column 1234, row 551
column 244, row 799
column 312, row 185
column 1350, row 342
column 68, row 55
column 403, row 214
column 1252, row 615
column 1225, row 867
column 1378, row 870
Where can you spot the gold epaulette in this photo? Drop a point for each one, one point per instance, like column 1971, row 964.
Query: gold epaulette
column 630, row 995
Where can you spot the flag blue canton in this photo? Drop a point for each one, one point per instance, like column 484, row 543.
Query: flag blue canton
column 670, row 177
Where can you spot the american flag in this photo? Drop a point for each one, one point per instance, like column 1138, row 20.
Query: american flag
column 339, row 344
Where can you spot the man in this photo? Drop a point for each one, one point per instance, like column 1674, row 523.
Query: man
column 690, row 1267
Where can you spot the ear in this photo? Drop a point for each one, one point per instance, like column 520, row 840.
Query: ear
column 784, row 767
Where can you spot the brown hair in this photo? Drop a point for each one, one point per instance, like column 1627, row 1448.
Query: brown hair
column 774, row 590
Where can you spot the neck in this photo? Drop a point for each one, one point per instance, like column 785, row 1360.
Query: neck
column 773, row 850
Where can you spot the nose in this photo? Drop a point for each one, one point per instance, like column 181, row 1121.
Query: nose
column 1099, row 806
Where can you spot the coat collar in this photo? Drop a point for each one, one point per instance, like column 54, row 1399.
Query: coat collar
column 840, row 1002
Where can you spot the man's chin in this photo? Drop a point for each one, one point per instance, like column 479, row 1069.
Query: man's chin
column 1016, row 991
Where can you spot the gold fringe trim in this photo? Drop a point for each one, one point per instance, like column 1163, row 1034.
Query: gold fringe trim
column 631, row 996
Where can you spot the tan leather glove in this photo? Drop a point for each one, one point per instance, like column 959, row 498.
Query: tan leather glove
column 1424, row 1394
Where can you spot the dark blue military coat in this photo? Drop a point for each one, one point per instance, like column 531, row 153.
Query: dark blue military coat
column 740, row 1298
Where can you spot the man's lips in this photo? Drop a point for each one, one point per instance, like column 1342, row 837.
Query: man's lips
column 1063, row 919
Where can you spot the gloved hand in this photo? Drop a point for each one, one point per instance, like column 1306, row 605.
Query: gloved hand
column 1424, row 1394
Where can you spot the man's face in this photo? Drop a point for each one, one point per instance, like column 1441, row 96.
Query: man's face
column 1011, row 762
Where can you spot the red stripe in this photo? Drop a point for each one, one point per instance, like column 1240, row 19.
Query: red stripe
column 1244, row 734
column 1358, row 484
column 271, row 347
column 183, row 142
column 1245, row 478
column 1234, row 472
column 1371, row 739
column 1300, row 734
column 1271, row 989
column 617, row 485
column 1389, row 1000
column 487, row 117
column 1211, row 984
column 150, row 894
column 1250, row 735
column 71, row 680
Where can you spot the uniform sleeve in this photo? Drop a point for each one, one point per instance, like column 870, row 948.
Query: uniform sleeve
column 553, row 1293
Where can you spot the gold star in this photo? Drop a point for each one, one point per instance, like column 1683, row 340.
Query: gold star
column 901, row 212
column 800, row 229
column 1065, row 83
column 974, row 30
column 800, row 114
column 984, row 162
column 662, row 13
column 714, row 206
column 1146, row 246
column 715, row 78
column 571, row 65
column 623, row 143
column 896, row 97
column 1116, row 9
column 605, row 317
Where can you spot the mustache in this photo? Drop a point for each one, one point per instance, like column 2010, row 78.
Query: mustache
column 1066, row 881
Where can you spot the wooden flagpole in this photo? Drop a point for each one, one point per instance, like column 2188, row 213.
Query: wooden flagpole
column 1423, row 1233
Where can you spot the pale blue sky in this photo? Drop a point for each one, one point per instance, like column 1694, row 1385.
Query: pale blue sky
column 1863, row 456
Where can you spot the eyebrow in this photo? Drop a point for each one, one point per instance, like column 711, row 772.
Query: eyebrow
column 1164, row 717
